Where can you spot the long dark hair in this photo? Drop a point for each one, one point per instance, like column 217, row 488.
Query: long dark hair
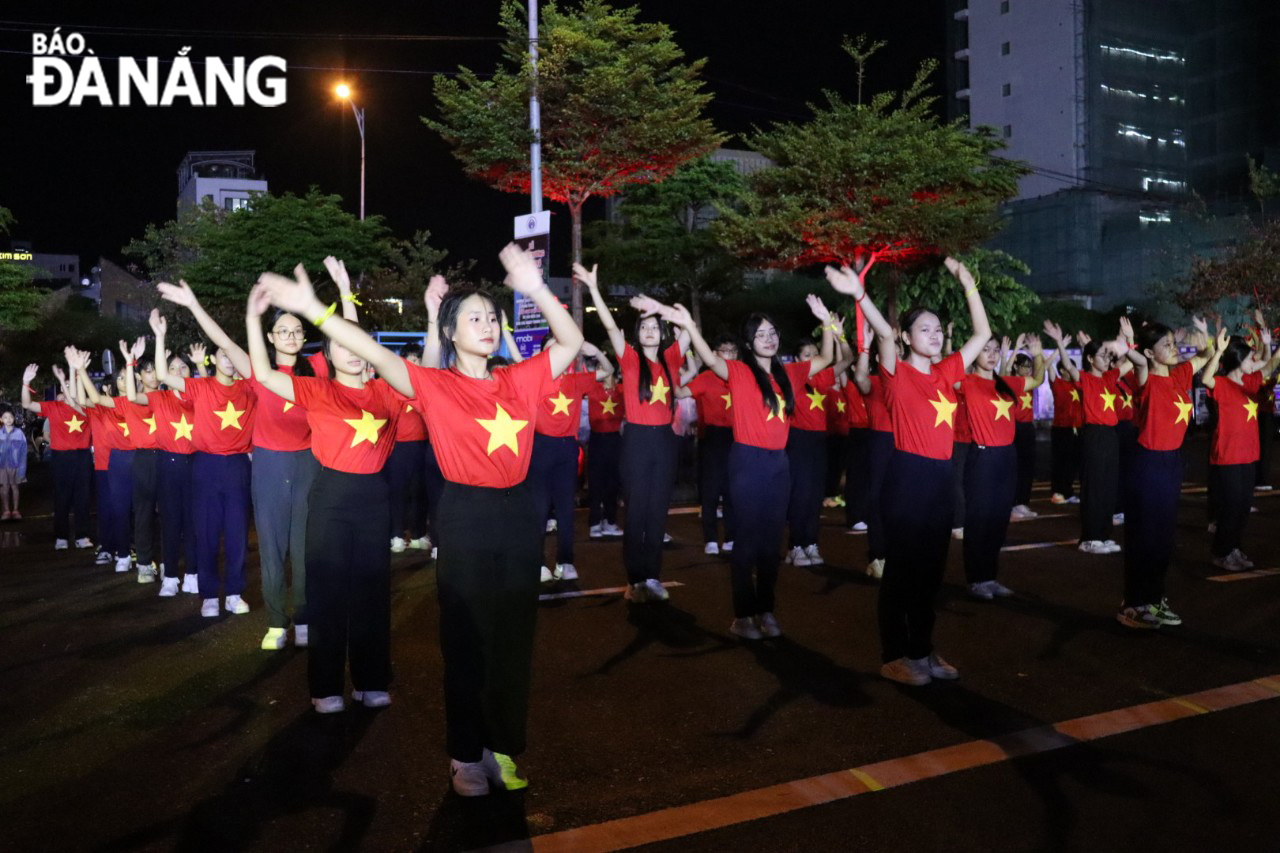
column 1150, row 335
column 665, row 339
column 301, row 365
column 449, row 309
column 1234, row 355
column 749, row 329
column 909, row 319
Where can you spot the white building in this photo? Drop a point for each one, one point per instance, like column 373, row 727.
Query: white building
column 225, row 178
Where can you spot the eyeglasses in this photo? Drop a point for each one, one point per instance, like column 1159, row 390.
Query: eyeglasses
column 771, row 334
column 291, row 334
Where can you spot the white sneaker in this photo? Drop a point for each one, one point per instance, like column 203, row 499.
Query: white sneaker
column 812, row 555
column 274, row 640
column 937, row 667
column 397, row 545
column 209, row 608
column 745, row 627
column 1073, row 500
column 727, row 547
column 434, row 550
column 1228, row 563
column 875, row 568
column 957, row 533
column 666, row 539
column 656, row 591
column 1094, row 546
column 1244, row 561
column 123, row 564
column 169, row 587
column 468, row 778
column 566, row 572
column 596, row 531
column 60, row 545
column 147, row 573
column 300, row 638
column 102, row 558
column 1113, row 547
column 552, row 526
column 797, row 557
column 859, row 527
column 190, row 583
column 999, row 590
column 84, row 542
column 328, row 705
column 1025, row 511
column 237, row 605
column 768, row 625
column 981, row 591
column 371, row 698
column 611, row 529
column 1118, row 519
column 546, row 576
column 711, row 548
column 420, row 544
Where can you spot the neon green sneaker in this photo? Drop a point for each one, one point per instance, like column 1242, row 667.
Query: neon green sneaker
column 502, row 771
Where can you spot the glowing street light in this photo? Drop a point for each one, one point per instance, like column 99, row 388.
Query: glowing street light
column 343, row 91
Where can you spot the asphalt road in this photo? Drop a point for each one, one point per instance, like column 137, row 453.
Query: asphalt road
column 128, row 722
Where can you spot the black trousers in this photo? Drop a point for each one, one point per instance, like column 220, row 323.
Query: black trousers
column 989, row 475
column 604, row 480
column 880, row 451
column 648, row 476
column 1099, row 480
column 348, row 582
column 837, row 462
column 713, row 481
column 1232, row 487
column 406, row 473
column 760, row 482
column 1064, row 449
column 1024, row 441
column 918, row 502
column 1127, row 443
column 959, row 458
column 488, row 593
column 1266, row 436
column 435, row 488
column 177, row 518
column 145, row 504
column 553, row 476
column 1151, row 519
column 807, row 455
column 857, row 477
column 72, row 481
column 118, row 538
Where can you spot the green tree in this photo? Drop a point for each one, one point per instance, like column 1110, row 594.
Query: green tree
column 1009, row 304
column 620, row 106
column 19, row 301
column 1263, row 184
column 396, row 290
column 886, row 178
column 662, row 242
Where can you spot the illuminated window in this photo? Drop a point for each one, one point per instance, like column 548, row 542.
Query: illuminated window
column 1006, row 90
column 1004, row 49
column 1135, row 53
column 236, row 203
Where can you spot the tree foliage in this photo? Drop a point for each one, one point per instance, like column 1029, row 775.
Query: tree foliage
column 395, row 292
column 19, row 301
column 1251, row 269
column 886, row 177
column 1009, row 304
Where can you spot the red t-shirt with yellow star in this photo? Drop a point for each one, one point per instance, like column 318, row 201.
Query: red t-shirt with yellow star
column 68, row 429
column 753, row 422
column 657, row 410
column 108, row 431
column 410, row 426
column 1235, row 440
column 1126, row 408
column 1024, row 409
column 923, row 406
column 224, row 415
column 175, row 422
column 878, row 406
column 813, row 395
column 278, row 424
column 1165, row 402
column 856, row 407
column 605, row 408
column 711, row 393
column 482, row 429
column 1100, row 400
column 838, row 414
column 964, row 433
column 142, row 423
column 352, row 429
column 1067, row 408
column 990, row 412
column 561, row 411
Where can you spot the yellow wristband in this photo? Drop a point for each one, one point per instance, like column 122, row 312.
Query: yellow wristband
column 351, row 297
column 971, row 291
column 319, row 321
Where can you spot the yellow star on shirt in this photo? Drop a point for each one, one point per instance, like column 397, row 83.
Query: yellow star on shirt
column 1002, row 408
column 287, row 406
column 181, row 428
column 503, row 430
column 366, row 427
column 151, row 424
column 1126, row 400
column 1252, row 411
column 816, row 400
column 658, row 391
column 124, row 428
column 1025, row 400
column 230, row 417
column 1075, row 395
column 946, row 410
column 782, row 416
column 75, row 424
column 1108, row 401
column 1184, row 411
column 728, row 401
column 609, row 406
column 560, row 404
column 840, row 406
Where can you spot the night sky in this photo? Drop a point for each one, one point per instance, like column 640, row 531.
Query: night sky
column 87, row 179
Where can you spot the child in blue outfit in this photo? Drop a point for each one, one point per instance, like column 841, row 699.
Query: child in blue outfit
column 13, row 464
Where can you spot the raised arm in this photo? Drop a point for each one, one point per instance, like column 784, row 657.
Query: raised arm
column 28, row 376
column 680, row 316
column 524, row 277
column 130, row 378
column 588, row 277
column 851, row 283
column 844, row 352
column 181, row 294
column 280, row 384
column 509, row 339
column 1209, row 375
column 160, row 326
column 1203, row 343
column 196, row 352
column 1123, row 345
column 604, row 367
column 977, row 312
column 437, row 288
column 1036, row 350
column 338, row 272
column 1065, row 365
column 1270, row 362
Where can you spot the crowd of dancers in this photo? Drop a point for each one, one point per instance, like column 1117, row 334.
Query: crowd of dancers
column 474, row 458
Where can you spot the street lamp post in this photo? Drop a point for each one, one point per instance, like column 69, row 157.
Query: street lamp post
column 344, row 92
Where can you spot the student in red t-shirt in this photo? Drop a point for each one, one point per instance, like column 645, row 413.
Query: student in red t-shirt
column 553, row 470
column 175, row 421
column 1027, row 374
column 605, row 414
column 353, row 430
column 715, row 438
column 649, row 377
column 879, row 450
column 72, row 463
column 1154, row 482
column 480, row 422
column 765, row 396
column 1233, row 376
column 223, row 410
column 1064, row 434
column 918, row 497
column 112, row 468
column 406, row 471
column 837, row 444
column 857, row 474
